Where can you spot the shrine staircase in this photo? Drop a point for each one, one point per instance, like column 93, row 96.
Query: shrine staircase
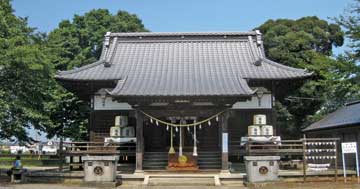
column 159, row 160
column 209, row 159
column 155, row 160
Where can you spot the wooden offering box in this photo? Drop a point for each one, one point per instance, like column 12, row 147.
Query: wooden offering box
column 186, row 162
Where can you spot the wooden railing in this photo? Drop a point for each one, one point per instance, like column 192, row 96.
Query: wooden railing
column 287, row 147
column 97, row 148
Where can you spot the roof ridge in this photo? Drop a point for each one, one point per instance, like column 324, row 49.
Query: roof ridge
column 207, row 33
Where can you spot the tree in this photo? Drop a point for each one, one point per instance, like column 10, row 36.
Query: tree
column 350, row 20
column 25, row 73
column 307, row 43
column 73, row 44
column 79, row 42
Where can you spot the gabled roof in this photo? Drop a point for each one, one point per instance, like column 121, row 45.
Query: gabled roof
column 182, row 64
column 346, row 116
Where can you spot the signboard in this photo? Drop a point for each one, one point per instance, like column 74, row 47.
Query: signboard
column 349, row 148
column 264, row 103
column 225, row 142
column 108, row 103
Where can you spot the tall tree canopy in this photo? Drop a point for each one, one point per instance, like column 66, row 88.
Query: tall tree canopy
column 350, row 20
column 29, row 95
column 78, row 42
column 307, row 43
column 73, row 44
column 25, row 76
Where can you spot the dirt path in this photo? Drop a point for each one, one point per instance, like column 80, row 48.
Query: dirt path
column 312, row 185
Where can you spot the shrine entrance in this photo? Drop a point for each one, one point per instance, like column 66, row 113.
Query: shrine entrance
column 182, row 142
column 158, row 138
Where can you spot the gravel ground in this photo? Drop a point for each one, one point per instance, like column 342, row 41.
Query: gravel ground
column 318, row 185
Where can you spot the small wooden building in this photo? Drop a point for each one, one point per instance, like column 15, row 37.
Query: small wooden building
column 344, row 124
column 177, row 79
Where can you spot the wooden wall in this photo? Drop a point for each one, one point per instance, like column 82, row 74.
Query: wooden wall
column 347, row 134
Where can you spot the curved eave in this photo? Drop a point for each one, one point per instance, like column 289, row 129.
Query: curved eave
column 295, row 73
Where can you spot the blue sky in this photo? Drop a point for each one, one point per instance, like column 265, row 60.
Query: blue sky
column 183, row 15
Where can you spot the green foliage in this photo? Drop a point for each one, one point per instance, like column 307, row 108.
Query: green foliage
column 25, row 73
column 307, row 43
column 29, row 95
column 73, row 44
column 350, row 20
column 79, row 42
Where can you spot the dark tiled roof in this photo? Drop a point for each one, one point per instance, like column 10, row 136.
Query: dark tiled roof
column 345, row 116
column 212, row 63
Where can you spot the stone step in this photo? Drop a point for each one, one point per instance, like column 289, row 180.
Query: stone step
column 210, row 166
column 208, row 162
column 155, row 163
column 181, row 181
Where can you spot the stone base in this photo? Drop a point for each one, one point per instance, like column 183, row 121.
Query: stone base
column 100, row 168
column 102, row 184
column 262, row 168
column 224, row 173
column 259, row 184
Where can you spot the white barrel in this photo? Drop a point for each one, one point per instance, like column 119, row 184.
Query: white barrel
column 267, row 130
column 121, row 121
column 254, row 130
column 128, row 132
column 259, row 119
column 115, row 131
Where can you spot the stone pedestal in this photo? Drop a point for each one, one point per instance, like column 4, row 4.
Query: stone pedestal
column 17, row 176
column 100, row 168
column 262, row 168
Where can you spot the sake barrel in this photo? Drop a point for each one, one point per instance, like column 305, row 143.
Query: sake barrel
column 254, row 130
column 115, row 131
column 259, row 119
column 267, row 130
column 121, row 121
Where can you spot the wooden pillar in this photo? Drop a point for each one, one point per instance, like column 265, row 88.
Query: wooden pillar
column 91, row 126
column 139, row 141
column 225, row 141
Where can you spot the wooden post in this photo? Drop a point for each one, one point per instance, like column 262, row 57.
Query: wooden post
column 336, row 162
column 304, row 157
column 225, row 142
column 139, row 141
column 61, row 154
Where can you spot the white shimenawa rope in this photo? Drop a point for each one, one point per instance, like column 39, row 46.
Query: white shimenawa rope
column 181, row 125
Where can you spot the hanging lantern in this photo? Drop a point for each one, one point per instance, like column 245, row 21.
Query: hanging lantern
column 157, row 123
column 151, row 120
column 217, row 118
column 176, row 129
column 200, row 126
column 188, row 128
column 167, row 127
column 209, row 123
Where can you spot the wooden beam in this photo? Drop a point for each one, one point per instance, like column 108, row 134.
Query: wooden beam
column 139, row 141
column 225, row 141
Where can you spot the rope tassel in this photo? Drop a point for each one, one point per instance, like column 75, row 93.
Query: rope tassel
column 195, row 147
column 171, row 150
